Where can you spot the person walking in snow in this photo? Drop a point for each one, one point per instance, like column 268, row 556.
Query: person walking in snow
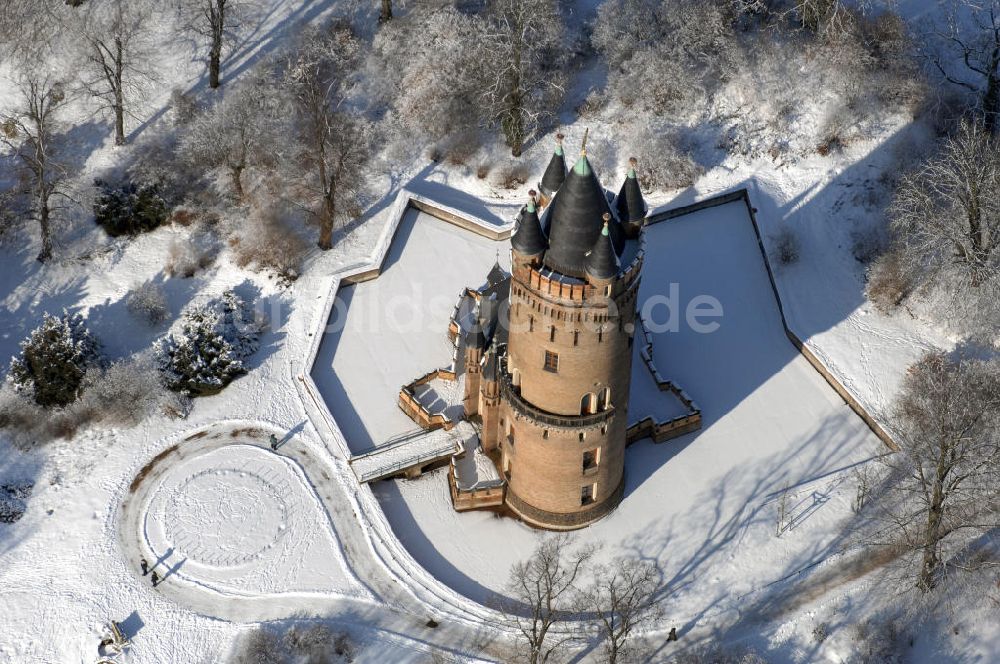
column 274, row 443
column 155, row 577
column 144, row 565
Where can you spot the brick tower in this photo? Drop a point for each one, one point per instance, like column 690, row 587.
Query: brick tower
column 564, row 371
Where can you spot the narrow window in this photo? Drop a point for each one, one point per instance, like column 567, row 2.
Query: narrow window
column 588, row 404
column 604, row 399
column 600, row 334
column 551, row 361
column 576, row 337
column 545, row 433
column 531, row 323
column 583, row 436
column 591, row 459
column 607, row 289
column 587, row 494
column 552, row 332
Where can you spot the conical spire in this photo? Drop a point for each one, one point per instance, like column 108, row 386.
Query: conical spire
column 574, row 220
column 602, row 262
column 529, row 239
column 555, row 172
column 631, row 206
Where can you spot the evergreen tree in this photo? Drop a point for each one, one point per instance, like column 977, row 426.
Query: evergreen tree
column 129, row 208
column 54, row 359
column 214, row 340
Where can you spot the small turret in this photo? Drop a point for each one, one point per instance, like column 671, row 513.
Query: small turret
column 555, row 172
column 630, row 204
column 529, row 240
column 602, row 262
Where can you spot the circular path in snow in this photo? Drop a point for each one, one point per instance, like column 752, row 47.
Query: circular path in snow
column 233, row 516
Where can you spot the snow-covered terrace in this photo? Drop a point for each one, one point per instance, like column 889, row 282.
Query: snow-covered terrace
column 392, row 329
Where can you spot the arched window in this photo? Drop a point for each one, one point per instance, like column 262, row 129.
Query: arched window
column 588, row 404
column 604, row 400
column 516, row 377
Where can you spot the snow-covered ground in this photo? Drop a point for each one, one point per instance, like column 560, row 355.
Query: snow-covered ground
column 393, row 329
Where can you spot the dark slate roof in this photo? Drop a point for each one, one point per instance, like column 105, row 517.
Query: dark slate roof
column 555, row 172
column 496, row 275
column 529, row 239
column 476, row 338
column 631, row 206
column 490, row 365
column 574, row 220
column 602, row 262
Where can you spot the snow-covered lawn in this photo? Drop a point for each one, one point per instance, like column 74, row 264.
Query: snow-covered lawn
column 393, row 329
column 703, row 507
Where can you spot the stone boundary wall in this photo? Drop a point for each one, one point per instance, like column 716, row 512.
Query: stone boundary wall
column 464, row 500
column 418, row 412
column 850, row 399
column 647, row 427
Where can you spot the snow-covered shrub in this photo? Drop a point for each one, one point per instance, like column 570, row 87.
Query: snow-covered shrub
column 54, row 359
column 317, row 643
column 299, row 645
column 148, row 302
column 786, row 246
column 127, row 392
column 184, row 105
column 266, row 242
column 868, row 244
column 662, row 164
column 187, row 256
column 510, row 175
column 716, row 654
column 12, row 501
column 877, row 641
column 129, row 208
column 208, row 352
column 889, row 281
column 258, row 646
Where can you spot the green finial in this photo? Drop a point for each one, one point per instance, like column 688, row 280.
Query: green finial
column 582, row 166
column 604, row 231
column 631, row 167
column 559, row 148
column 531, row 206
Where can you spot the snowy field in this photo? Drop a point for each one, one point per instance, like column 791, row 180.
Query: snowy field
column 702, row 506
column 388, row 331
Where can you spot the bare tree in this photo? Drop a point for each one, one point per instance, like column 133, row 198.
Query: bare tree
column 965, row 49
column 623, row 598
column 540, row 592
column 522, row 57
column 386, row 14
column 30, row 133
column 943, row 491
column 239, row 132
column 424, row 66
column 117, row 57
column 214, row 21
column 333, row 144
column 946, row 214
